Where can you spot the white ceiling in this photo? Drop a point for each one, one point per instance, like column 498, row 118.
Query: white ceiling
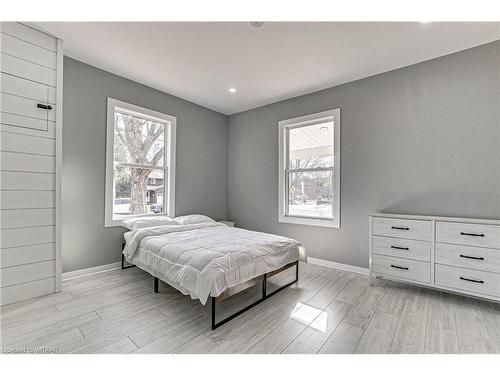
column 199, row 61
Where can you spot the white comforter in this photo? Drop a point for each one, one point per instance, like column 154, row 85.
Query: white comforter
column 205, row 259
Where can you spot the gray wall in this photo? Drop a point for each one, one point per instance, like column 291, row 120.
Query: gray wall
column 424, row 139
column 200, row 164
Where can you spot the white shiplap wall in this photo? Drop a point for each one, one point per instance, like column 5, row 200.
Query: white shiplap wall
column 30, row 144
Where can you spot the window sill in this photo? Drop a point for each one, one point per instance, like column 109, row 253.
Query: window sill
column 114, row 223
column 309, row 221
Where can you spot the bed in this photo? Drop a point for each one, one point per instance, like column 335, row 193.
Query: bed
column 210, row 260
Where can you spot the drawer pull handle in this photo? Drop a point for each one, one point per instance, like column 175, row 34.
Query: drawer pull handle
column 469, row 257
column 472, row 234
column 399, row 267
column 400, row 228
column 43, row 106
column 472, row 280
column 400, row 248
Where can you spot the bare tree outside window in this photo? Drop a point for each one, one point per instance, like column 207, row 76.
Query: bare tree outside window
column 139, row 150
column 296, row 178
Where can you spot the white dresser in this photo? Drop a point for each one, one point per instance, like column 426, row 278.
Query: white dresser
column 454, row 254
column 30, row 159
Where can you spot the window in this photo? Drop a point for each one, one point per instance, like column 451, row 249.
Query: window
column 140, row 162
column 309, row 169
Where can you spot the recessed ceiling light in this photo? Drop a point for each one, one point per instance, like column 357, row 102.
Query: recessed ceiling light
column 425, row 21
column 232, row 90
column 256, row 25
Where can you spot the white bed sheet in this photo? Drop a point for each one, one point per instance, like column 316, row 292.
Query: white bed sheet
column 205, row 259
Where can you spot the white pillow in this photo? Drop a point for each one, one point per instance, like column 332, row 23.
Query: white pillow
column 193, row 219
column 147, row 221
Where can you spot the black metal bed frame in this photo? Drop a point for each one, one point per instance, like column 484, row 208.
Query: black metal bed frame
column 264, row 297
column 124, row 267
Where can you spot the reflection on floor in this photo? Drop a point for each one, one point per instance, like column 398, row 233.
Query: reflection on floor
column 328, row 311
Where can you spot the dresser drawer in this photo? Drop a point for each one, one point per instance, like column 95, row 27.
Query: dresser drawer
column 468, row 234
column 402, row 248
column 411, row 229
column 468, row 280
column 411, row 270
column 477, row 258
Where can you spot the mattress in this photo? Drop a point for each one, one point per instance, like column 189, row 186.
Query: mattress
column 204, row 259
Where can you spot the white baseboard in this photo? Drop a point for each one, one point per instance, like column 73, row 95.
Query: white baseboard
column 91, row 271
column 117, row 265
column 339, row 266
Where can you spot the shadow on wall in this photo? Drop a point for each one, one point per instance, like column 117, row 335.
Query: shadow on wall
column 466, row 204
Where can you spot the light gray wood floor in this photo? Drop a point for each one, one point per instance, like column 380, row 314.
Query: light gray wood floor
column 328, row 311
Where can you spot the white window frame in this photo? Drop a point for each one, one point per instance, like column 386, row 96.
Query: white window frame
column 169, row 158
column 283, row 127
